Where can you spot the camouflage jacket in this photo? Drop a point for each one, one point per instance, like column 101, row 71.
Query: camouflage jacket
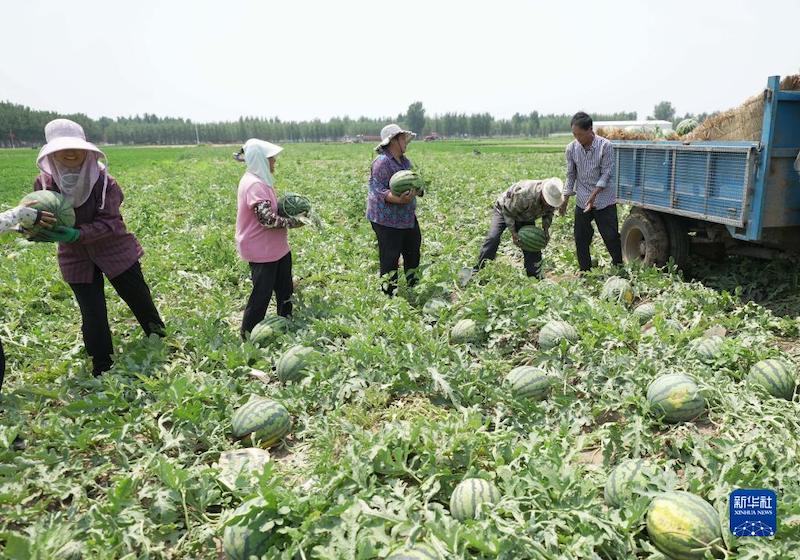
column 523, row 202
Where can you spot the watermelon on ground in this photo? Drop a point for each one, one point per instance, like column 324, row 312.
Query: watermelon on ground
column 244, row 538
column 676, row 397
column 470, row 493
column 415, row 552
column 529, row 382
column 291, row 364
column 267, row 329
column 777, row 376
column 466, row 330
column 707, row 348
column 617, row 289
column 684, row 526
column 265, row 420
column 554, row 332
column 626, row 478
column 645, row 312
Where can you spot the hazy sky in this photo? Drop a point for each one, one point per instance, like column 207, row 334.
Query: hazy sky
column 301, row 59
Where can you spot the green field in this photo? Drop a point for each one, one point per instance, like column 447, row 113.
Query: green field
column 391, row 415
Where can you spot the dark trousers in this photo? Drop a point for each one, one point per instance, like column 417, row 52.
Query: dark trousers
column 132, row 288
column 393, row 242
column 267, row 278
column 606, row 220
column 532, row 259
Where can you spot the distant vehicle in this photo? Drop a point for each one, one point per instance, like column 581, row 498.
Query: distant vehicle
column 715, row 197
column 432, row 136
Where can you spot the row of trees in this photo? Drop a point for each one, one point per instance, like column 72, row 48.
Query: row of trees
column 21, row 126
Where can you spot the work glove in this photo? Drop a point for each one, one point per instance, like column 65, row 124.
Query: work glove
column 58, row 234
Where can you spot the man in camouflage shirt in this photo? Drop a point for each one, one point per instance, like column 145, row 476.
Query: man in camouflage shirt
column 522, row 204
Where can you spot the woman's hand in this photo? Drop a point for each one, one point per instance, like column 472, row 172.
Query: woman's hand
column 43, row 219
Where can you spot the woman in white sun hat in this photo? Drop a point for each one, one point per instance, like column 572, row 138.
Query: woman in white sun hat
column 262, row 235
column 99, row 245
column 520, row 205
column 393, row 217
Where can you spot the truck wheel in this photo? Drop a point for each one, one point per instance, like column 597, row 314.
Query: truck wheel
column 678, row 240
column 644, row 238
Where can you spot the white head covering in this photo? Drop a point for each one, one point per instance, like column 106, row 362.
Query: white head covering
column 75, row 184
column 390, row 131
column 256, row 154
column 552, row 191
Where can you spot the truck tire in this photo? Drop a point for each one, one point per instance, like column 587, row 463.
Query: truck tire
column 678, row 240
column 644, row 238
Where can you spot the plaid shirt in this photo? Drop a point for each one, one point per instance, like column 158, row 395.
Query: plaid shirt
column 104, row 240
column 588, row 169
column 523, row 202
column 401, row 216
column 19, row 215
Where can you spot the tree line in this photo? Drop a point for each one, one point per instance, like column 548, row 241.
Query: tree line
column 23, row 126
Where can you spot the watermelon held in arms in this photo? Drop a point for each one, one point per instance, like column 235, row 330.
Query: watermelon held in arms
column 268, row 329
column 676, row 397
column 405, row 180
column 264, row 420
column 554, row 332
column 466, row 499
column 466, row 330
column 684, row 526
column 416, row 552
column 776, row 376
column 617, row 289
column 244, row 538
column 532, row 238
column 625, row 479
column 293, row 204
column 529, row 382
column 291, row 364
column 53, row 202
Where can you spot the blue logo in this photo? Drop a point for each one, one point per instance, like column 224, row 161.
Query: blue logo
column 753, row 513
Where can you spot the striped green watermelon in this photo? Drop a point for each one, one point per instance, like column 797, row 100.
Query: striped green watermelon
column 53, row 202
column 293, row 204
column 645, row 312
column 676, row 397
column 470, row 493
column 684, row 526
column 777, row 376
column 291, row 364
column 268, row 328
column 529, row 382
column 405, row 180
column 617, row 289
column 466, row 330
column 626, row 478
column 416, row 552
column 266, row 421
column 554, row 332
column 685, row 126
column 532, row 238
column 244, row 539
column 707, row 348
column 434, row 306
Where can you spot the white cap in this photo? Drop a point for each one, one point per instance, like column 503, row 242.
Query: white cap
column 551, row 190
column 390, row 131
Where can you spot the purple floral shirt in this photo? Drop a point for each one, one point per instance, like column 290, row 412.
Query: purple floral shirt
column 401, row 216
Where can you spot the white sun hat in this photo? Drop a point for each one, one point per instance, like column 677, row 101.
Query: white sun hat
column 551, row 189
column 64, row 134
column 390, row 131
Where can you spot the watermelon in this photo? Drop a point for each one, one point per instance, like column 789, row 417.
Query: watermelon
column 683, row 526
column 292, row 362
column 554, row 332
column 416, row 552
column 626, row 478
column 676, row 397
column 685, row 126
column 53, row 202
column 529, row 382
column 268, row 328
column 293, row 204
column 266, row 421
column 617, row 289
column 466, row 330
column 532, row 238
column 434, row 306
column 645, row 312
column 776, row 376
column 244, row 539
column 707, row 348
column 470, row 493
column 405, row 180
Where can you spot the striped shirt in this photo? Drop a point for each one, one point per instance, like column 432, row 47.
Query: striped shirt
column 104, row 240
column 588, row 169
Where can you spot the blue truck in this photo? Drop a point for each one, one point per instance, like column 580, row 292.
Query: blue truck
column 714, row 198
